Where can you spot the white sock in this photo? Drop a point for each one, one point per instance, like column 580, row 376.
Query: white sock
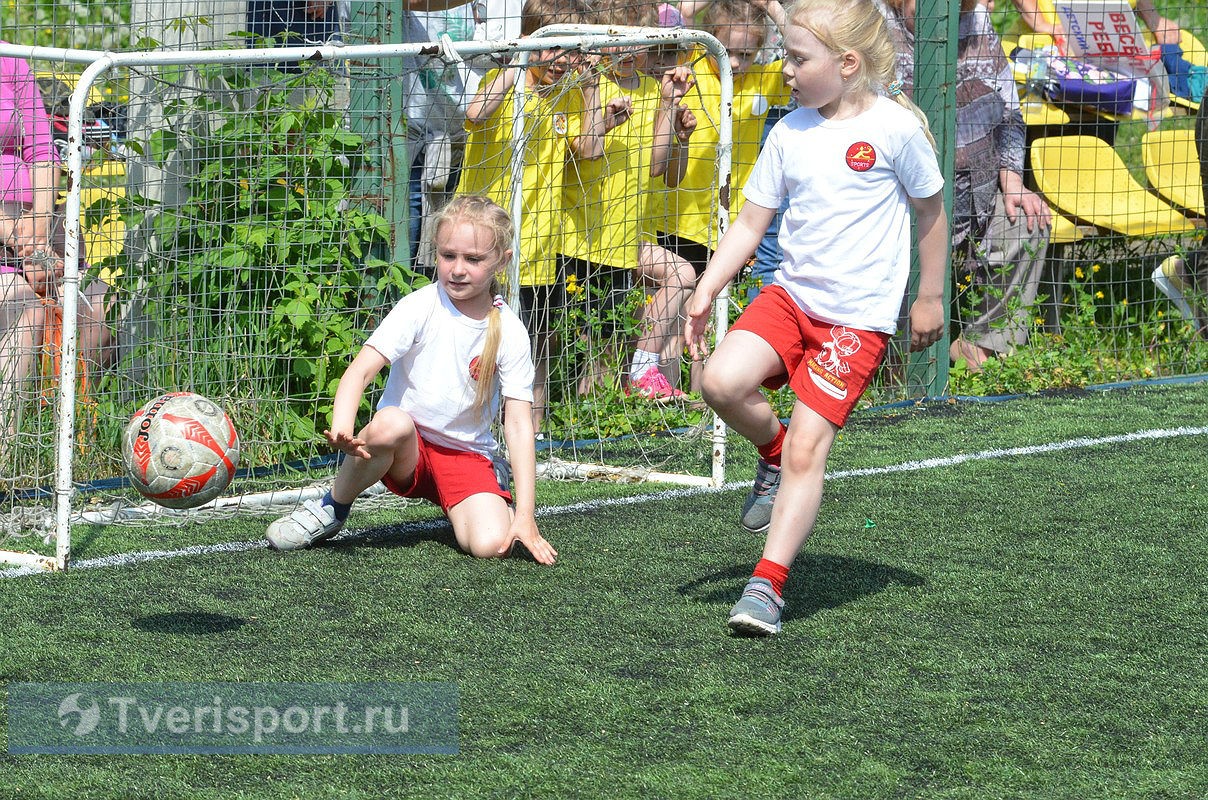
column 642, row 361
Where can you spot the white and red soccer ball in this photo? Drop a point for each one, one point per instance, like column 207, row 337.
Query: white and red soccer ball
column 180, row 450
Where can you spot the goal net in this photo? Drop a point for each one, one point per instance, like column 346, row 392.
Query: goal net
column 252, row 222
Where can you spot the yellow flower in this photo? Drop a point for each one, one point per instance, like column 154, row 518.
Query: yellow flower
column 649, row 299
column 281, row 182
column 572, row 285
column 1124, row 302
column 1095, row 268
column 1078, row 273
column 1098, row 295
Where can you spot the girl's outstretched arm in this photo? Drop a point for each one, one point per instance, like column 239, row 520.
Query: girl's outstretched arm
column 360, row 372
column 927, row 317
column 730, row 256
column 518, row 433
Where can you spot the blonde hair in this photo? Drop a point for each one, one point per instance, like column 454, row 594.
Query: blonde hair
column 536, row 14
column 857, row 25
column 722, row 14
column 482, row 212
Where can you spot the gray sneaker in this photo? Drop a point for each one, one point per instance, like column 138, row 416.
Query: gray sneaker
column 757, row 612
column 309, row 523
column 757, row 509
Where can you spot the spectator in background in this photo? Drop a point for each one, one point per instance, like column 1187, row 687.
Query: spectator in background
column 31, row 231
column 999, row 228
column 1039, row 16
column 295, row 22
column 436, row 96
column 1184, row 279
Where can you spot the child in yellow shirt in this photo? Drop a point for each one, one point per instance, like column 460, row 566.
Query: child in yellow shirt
column 554, row 127
column 607, row 200
column 690, row 228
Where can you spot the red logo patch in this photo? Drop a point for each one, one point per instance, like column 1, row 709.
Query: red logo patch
column 474, row 368
column 861, row 156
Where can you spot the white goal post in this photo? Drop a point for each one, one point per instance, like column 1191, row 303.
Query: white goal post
column 595, row 432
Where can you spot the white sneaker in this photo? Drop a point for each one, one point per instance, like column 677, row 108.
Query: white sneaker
column 309, row 523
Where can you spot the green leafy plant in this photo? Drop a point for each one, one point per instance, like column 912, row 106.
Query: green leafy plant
column 269, row 272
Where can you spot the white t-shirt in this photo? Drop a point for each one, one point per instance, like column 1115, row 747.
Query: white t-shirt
column 846, row 232
column 432, row 347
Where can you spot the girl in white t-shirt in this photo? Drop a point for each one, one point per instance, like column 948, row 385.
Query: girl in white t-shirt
column 852, row 161
column 456, row 352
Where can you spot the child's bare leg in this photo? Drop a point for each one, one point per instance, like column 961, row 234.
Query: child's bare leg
column 481, row 523
column 542, row 346
column 393, row 445
column 802, row 470
column 731, row 382
column 674, row 279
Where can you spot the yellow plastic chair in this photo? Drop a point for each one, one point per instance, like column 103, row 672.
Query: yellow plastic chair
column 1172, row 167
column 1083, row 177
column 107, row 237
column 1063, row 230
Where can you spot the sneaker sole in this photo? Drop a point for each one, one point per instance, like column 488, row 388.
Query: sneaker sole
column 749, row 626
column 661, row 400
column 749, row 529
column 321, row 538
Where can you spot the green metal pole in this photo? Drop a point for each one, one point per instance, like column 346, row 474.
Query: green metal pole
column 935, row 92
column 377, row 113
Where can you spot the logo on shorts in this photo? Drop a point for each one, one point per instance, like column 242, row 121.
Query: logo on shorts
column 861, row 156
column 474, row 368
column 830, row 365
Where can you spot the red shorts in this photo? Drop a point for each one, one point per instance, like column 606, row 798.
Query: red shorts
column 447, row 476
column 827, row 366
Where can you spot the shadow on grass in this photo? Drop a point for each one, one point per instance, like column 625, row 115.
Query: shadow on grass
column 196, row 623
column 409, row 534
column 817, row 583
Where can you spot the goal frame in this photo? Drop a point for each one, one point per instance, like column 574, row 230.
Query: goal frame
column 98, row 63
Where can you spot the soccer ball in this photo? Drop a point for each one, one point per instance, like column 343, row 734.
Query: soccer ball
column 181, row 450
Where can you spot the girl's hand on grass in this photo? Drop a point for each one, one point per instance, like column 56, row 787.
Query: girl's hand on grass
column 524, row 530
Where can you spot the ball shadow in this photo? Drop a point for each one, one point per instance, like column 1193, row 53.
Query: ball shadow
column 192, row 623
column 817, row 583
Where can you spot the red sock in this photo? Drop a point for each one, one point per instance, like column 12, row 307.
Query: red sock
column 770, row 452
column 773, row 573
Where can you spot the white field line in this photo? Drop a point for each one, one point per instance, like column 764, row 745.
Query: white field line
column 129, row 559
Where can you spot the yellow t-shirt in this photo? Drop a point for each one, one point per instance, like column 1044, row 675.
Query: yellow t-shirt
column 691, row 207
column 606, row 199
column 551, row 121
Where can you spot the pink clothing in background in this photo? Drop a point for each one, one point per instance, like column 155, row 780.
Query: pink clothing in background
column 25, row 135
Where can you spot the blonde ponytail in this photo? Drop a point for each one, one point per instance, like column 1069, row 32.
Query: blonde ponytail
column 894, row 90
column 487, row 362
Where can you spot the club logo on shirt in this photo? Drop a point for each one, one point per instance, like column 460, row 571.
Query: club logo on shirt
column 474, row 368
column 829, row 366
column 560, row 125
column 861, row 156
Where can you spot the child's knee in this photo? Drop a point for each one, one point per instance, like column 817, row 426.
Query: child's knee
column 389, row 427
column 486, row 544
column 717, row 386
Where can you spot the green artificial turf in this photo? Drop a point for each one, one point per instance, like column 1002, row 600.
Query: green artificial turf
column 1012, row 625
